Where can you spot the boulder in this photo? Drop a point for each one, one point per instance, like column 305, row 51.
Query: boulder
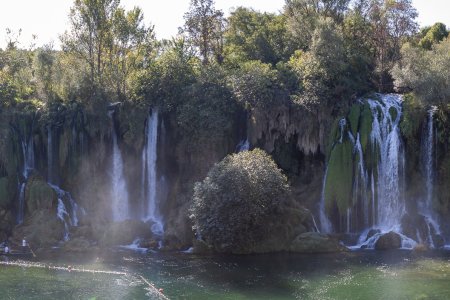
column 372, row 232
column 39, row 195
column 42, row 229
column 388, row 241
column 124, row 233
column 314, row 242
column 78, row 245
column 6, row 223
column 421, row 248
column 149, row 244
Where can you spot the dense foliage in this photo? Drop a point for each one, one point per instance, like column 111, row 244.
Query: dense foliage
column 234, row 203
column 321, row 53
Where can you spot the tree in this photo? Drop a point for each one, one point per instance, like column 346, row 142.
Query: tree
column 433, row 35
column 235, row 204
column 90, row 22
column 204, row 26
column 45, row 60
column 426, row 73
column 303, row 15
column 254, row 84
column 131, row 47
column 322, row 69
column 111, row 41
column 392, row 22
column 252, row 35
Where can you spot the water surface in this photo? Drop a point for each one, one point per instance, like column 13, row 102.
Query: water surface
column 123, row 275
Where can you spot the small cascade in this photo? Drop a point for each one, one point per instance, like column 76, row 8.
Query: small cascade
column 68, row 210
column 119, row 192
column 342, row 123
column 149, row 186
column 325, row 224
column 28, row 166
column 386, row 142
column 243, row 145
column 426, row 206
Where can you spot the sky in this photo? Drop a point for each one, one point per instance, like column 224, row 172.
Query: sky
column 49, row 18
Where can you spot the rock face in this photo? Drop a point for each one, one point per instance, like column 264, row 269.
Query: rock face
column 419, row 228
column 388, row 241
column 39, row 195
column 41, row 229
column 314, row 242
column 124, row 233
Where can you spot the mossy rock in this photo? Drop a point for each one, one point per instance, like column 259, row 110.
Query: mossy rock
column 39, row 195
column 339, row 182
column 314, row 242
column 353, row 118
column 365, row 128
column 333, row 137
column 42, row 229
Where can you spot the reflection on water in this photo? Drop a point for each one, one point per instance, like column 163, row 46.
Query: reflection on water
column 127, row 275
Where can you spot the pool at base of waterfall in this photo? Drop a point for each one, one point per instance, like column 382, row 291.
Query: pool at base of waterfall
column 123, row 274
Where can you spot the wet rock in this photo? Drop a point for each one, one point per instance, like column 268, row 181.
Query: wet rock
column 200, row 247
column 78, row 245
column 149, row 244
column 438, row 240
column 39, row 195
column 314, row 242
column 41, row 229
column 124, row 233
column 387, row 241
column 372, row 232
column 6, row 223
column 421, row 248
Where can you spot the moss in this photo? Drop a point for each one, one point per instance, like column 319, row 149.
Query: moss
column 339, row 182
column 333, row 137
column 353, row 118
column 39, row 195
column 365, row 127
column 412, row 118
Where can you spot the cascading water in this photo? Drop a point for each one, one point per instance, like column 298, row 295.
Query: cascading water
column 119, row 193
column 243, row 145
column 386, row 142
column 426, row 206
column 68, row 216
column 149, row 176
column 325, row 224
column 28, row 166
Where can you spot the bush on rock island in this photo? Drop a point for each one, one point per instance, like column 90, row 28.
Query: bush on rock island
column 244, row 206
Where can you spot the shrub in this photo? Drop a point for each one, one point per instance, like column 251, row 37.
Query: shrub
column 234, row 204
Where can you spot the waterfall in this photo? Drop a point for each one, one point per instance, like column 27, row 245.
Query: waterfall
column 119, row 193
column 362, row 175
column 325, row 224
column 243, row 145
column 428, row 147
column 149, row 186
column 387, row 144
column 28, row 166
column 67, row 210
column 426, row 206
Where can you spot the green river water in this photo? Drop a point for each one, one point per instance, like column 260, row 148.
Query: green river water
column 123, row 275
